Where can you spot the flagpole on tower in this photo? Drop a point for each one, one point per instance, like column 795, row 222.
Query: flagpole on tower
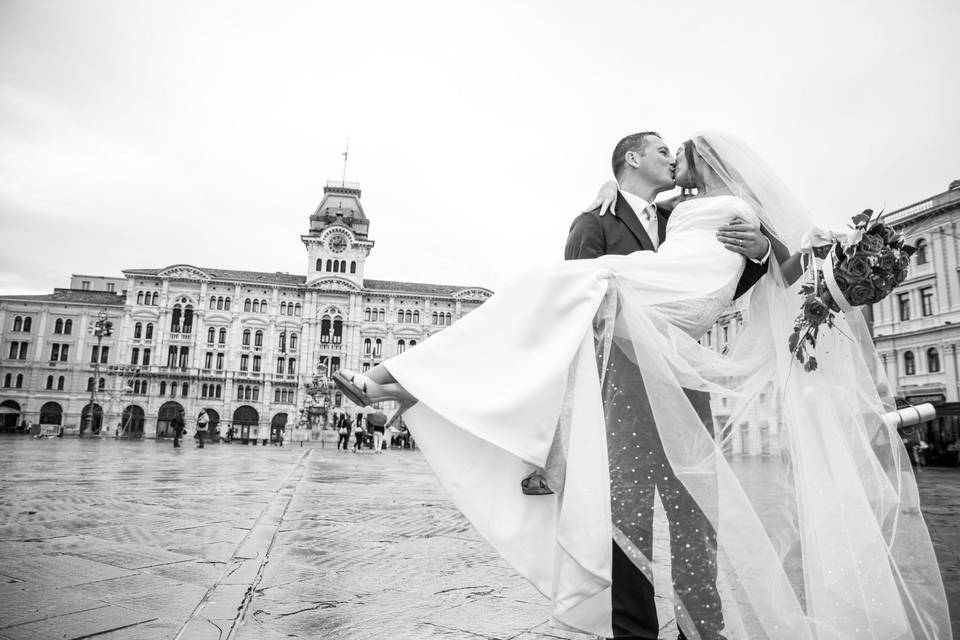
column 345, row 154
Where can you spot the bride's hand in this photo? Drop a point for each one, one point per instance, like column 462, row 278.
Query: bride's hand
column 744, row 237
column 606, row 199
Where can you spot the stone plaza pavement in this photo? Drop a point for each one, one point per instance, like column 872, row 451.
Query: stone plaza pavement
column 138, row 541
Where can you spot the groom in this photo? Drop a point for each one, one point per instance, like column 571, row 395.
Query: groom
column 644, row 167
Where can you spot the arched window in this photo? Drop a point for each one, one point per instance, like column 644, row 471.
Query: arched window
column 922, row 251
column 909, row 364
column 18, row 323
column 256, row 306
column 377, row 347
column 283, row 308
column 146, row 356
column 367, row 346
column 173, row 389
column 8, row 378
column 138, row 331
column 246, row 304
column 336, row 266
column 292, row 365
column 290, row 309
column 60, row 382
column 282, row 341
column 416, row 317
column 27, row 322
column 449, row 318
column 413, row 343
column 933, row 360
column 409, row 315
column 325, row 329
column 163, row 387
column 102, row 384
column 220, row 303
column 246, row 338
column 203, row 391
column 329, row 265
column 383, row 315
column 297, row 309
column 223, row 336
column 263, row 306
column 68, row 327
column 337, row 331
column 149, row 334
column 293, row 341
column 135, row 356
column 343, row 266
column 175, row 319
column 401, row 346
column 58, row 326
column 188, row 319
column 219, row 390
column 280, row 363
column 276, row 395
column 20, row 381
column 353, row 267
column 184, row 357
column 247, row 393
column 433, row 318
column 226, row 304
column 319, row 265
column 89, row 384
column 258, row 339
column 213, row 302
column 211, row 333
column 185, row 390
column 156, row 298
column 49, row 382
column 256, row 394
column 400, row 315
column 366, row 314
column 139, row 297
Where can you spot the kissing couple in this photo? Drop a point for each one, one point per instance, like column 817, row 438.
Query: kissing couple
column 588, row 382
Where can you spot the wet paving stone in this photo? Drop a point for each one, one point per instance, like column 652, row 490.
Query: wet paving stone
column 138, row 541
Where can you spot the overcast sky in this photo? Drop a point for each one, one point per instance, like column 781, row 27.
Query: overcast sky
column 145, row 134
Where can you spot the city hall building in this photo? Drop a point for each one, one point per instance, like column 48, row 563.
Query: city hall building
column 244, row 346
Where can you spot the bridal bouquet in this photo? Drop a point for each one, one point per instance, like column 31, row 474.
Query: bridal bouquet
column 846, row 270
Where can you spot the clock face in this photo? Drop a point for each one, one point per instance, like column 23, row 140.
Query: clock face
column 338, row 243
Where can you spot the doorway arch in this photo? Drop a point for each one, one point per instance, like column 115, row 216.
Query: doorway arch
column 278, row 426
column 9, row 416
column 131, row 422
column 97, row 423
column 168, row 411
column 246, row 421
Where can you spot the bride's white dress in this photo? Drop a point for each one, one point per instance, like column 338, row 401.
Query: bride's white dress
column 516, row 385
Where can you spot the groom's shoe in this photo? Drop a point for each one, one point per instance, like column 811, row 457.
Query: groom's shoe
column 535, row 485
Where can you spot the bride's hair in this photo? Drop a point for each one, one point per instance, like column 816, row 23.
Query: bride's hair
column 632, row 142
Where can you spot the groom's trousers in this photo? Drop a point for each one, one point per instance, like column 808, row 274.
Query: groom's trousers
column 631, row 429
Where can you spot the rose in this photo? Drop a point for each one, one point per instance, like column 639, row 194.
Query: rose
column 860, row 293
column 871, row 245
column 856, row 268
column 815, row 311
column 887, row 260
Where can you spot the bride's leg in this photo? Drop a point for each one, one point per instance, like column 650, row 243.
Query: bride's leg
column 380, row 375
column 377, row 384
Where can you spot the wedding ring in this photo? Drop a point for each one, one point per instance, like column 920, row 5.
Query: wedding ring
column 740, row 242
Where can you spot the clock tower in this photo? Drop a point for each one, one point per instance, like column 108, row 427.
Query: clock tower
column 337, row 244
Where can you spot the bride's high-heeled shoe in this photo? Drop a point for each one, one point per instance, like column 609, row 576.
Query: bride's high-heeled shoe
column 364, row 391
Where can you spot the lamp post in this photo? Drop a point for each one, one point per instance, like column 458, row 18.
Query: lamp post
column 102, row 328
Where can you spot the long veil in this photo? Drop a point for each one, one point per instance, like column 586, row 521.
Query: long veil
column 805, row 500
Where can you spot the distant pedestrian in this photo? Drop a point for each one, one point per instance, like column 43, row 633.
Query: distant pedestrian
column 343, row 432
column 358, row 433
column 202, row 420
column 178, row 425
column 378, row 421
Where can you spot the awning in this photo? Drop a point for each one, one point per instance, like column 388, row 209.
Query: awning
column 9, row 411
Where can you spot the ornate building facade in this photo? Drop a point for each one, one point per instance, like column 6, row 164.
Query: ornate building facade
column 244, row 346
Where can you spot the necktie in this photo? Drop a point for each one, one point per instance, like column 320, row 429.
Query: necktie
column 649, row 218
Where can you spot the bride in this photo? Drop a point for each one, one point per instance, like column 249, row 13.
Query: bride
column 821, row 539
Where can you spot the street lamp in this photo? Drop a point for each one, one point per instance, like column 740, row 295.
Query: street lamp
column 102, row 328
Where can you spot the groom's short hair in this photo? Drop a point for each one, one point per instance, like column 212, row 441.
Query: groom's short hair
column 632, row 142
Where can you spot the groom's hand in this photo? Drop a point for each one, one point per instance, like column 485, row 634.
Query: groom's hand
column 744, row 237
